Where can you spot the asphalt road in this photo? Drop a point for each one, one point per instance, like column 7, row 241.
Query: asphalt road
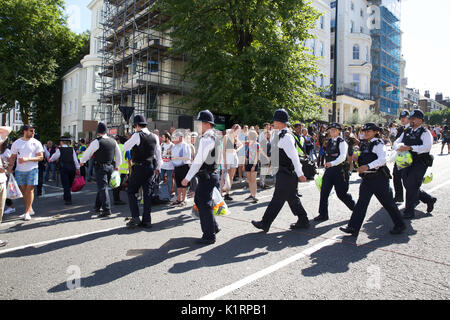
column 67, row 253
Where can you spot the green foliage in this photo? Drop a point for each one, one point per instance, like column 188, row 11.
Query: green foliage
column 246, row 57
column 438, row 117
column 36, row 48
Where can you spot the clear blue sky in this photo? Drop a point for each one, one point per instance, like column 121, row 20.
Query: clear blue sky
column 426, row 45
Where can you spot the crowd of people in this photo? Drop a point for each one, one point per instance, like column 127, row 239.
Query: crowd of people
column 242, row 153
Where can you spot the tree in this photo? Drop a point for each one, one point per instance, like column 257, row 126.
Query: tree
column 36, row 47
column 246, row 58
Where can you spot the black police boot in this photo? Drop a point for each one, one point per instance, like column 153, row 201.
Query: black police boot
column 398, row 200
column 205, row 241
column 398, row 229
column 350, row 231
column 145, row 225
column 430, row 205
column 321, row 218
column 105, row 214
column 301, row 224
column 259, row 225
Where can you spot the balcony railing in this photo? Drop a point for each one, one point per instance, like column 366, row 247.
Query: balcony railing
column 349, row 91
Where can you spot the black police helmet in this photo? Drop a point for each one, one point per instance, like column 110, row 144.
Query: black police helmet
column 139, row 120
column 335, row 125
column 417, row 114
column 281, row 115
column 206, row 116
column 404, row 114
column 371, row 126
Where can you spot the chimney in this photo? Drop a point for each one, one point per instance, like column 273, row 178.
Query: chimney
column 439, row 97
column 427, row 94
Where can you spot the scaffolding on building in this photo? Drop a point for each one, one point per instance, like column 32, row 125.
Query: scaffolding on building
column 137, row 69
column 386, row 54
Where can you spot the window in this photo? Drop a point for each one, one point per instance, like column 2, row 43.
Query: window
column 361, row 13
column 332, row 52
column 70, row 107
column 322, row 22
column 355, row 82
column 75, row 106
column 70, row 84
column 352, row 26
column 75, row 85
column 322, row 81
column 352, row 6
column 361, row 30
column 64, row 108
column 333, row 25
column 313, row 47
column 65, row 86
column 152, row 66
column 321, row 49
column 84, row 80
column 333, row 4
column 355, row 52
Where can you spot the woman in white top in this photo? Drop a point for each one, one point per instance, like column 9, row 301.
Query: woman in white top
column 230, row 156
column 181, row 160
column 5, row 154
column 167, row 166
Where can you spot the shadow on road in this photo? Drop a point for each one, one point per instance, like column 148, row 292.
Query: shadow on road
column 337, row 257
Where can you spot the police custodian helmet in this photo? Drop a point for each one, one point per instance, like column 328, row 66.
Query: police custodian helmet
column 205, row 116
column 281, row 115
column 335, row 125
column 371, row 126
column 417, row 114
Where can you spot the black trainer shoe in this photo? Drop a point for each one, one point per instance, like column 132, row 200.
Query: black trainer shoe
column 349, row 231
column 398, row 200
column 104, row 214
column 132, row 224
column 259, row 225
column 430, row 205
column 228, row 198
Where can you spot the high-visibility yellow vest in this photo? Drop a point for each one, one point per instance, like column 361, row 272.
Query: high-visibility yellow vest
column 82, row 153
column 300, row 141
column 123, row 169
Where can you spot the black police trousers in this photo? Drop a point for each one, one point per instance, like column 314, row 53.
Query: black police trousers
column 286, row 187
column 398, row 185
column 377, row 184
column 141, row 176
column 412, row 180
column 103, row 176
column 67, row 178
column 334, row 177
column 204, row 202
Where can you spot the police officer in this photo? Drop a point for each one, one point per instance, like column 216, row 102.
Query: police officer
column 204, row 168
column 417, row 140
column 299, row 140
column 398, row 185
column 375, row 181
column 287, row 177
column 69, row 167
column 107, row 158
column 147, row 161
column 82, row 148
column 336, row 172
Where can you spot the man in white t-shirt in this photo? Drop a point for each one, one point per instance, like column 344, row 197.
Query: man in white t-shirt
column 28, row 152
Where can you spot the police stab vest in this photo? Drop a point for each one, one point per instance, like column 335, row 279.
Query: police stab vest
column 145, row 151
column 367, row 155
column 411, row 138
column 66, row 158
column 332, row 151
column 210, row 165
column 284, row 160
column 105, row 152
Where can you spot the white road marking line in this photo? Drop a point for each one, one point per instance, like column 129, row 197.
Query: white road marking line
column 260, row 274
column 238, row 284
column 57, row 240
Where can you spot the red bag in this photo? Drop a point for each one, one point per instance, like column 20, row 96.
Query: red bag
column 78, row 184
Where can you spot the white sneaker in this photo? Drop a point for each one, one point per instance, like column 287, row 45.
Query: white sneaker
column 27, row 217
column 9, row 211
column 31, row 212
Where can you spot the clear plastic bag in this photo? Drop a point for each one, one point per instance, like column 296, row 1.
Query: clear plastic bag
column 13, row 190
column 220, row 208
column 115, row 180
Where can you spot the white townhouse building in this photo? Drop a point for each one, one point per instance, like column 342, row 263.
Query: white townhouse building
column 81, row 86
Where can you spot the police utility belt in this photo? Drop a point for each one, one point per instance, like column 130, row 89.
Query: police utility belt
column 372, row 173
column 151, row 162
column 103, row 164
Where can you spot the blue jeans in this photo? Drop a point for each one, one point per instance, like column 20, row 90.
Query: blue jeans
column 169, row 177
column 50, row 166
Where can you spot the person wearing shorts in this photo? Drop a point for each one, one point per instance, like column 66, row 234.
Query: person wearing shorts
column 231, row 160
column 181, row 159
column 445, row 139
column 28, row 152
column 251, row 164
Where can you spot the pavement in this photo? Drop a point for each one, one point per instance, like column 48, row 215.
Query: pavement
column 67, row 252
